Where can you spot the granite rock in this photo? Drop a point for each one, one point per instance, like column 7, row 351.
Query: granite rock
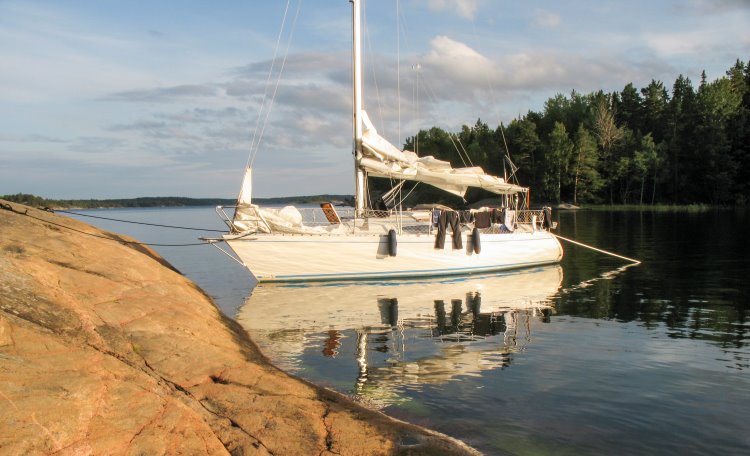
column 107, row 349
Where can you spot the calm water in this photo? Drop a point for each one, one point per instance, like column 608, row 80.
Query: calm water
column 584, row 358
column 225, row 281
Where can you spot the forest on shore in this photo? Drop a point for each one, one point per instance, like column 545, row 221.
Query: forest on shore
column 678, row 145
column 163, row 201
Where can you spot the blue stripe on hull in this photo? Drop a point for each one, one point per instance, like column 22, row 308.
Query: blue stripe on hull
column 399, row 274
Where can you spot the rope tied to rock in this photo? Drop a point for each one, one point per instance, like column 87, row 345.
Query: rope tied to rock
column 25, row 213
column 137, row 223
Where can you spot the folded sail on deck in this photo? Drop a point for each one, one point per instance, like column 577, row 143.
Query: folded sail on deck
column 380, row 158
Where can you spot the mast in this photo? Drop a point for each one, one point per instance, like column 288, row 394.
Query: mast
column 359, row 175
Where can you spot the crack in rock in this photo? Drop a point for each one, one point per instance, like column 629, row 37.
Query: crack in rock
column 329, row 431
column 258, row 443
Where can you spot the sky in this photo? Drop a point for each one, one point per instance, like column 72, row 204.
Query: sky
column 121, row 99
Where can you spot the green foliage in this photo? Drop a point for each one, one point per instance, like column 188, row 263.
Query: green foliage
column 558, row 155
column 629, row 107
column 525, row 150
column 644, row 146
column 586, row 178
column 645, row 160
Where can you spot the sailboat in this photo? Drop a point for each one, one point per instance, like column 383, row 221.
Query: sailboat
column 390, row 241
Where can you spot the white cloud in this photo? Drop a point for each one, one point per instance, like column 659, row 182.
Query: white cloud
column 464, row 8
column 546, row 19
column 165, row 94
column 47, row 56
column 467, row 84
column 311, row 124
column 50, row 54
column 670, row 44
column 712, row 6
column 457, row 59
column 60, row 74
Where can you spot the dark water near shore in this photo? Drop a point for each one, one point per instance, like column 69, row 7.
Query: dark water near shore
column 583, row 359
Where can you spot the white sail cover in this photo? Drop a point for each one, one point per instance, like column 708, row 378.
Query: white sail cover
column 380, row 158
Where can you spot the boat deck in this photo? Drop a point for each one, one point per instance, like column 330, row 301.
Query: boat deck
column 312, row 221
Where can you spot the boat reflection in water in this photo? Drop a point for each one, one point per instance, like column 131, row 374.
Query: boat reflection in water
column 375, row 338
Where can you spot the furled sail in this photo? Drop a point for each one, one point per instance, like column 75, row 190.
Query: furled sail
column 380, row 158
column 246, row 191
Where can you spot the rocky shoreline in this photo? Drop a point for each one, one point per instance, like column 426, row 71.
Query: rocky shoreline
column 107, row 349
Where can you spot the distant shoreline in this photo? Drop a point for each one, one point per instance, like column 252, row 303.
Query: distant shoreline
column 338, row 200
column 166, row 201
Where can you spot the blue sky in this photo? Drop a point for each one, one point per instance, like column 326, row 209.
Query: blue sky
column 105, row 99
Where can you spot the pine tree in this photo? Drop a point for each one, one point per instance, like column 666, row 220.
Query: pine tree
column 525, row 150
column 739, row 132
column 607, row 134
column 629, row 108
column 681, row 122
column 716, row 170
column 586, row 181
column 645, row 160
column 655, row 101
column 559, row 153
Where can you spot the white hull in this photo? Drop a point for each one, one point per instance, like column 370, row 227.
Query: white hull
column 294, row 258
column 346, row 305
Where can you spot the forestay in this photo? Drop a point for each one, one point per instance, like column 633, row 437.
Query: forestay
column 380, row 158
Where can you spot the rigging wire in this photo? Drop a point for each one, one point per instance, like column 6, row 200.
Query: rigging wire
column 414, row 98
column 278, row 80
column 10, row 208
column 401, row 36
column 466, row 153
column 372, row 68
column 402, row 23
column 403, row 30
column 433, row 97
column 266, row 85
column 398, row 65
column 490, row 87
column 401, row 201
column 415, row 102
column 493, row 97
column 139, row 223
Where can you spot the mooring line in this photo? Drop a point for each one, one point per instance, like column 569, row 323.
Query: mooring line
column 138, row 223
column 10, row 208
column 596, row 249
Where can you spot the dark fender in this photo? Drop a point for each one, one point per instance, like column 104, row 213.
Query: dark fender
column 392, row 243
column 476, row 243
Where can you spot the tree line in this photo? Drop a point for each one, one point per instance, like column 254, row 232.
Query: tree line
column 651, row 145
column 164, row 201
column 148, row 201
